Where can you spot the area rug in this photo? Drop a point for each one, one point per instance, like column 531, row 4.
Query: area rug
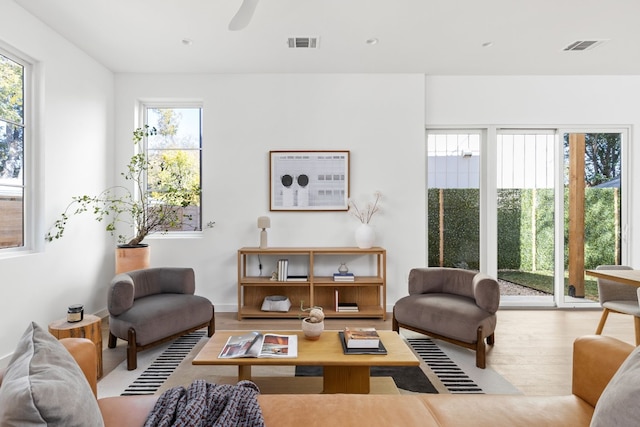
column 444, row 367
column 455, row 367
column 154, row 368
column 409, row 378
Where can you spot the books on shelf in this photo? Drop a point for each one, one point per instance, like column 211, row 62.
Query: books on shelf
column 361, row 337
column 347, row 307
column 343, row 307
column 343, row 277
column 283, row 273
column 283, row 267
column 380, row 349
column 255, row 344
column 294, row 278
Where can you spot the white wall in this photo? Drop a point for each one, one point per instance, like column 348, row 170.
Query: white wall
column 74, row 156
column 379, row 118
column 554, row 101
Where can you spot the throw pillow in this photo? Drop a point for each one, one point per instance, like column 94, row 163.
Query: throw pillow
column 44, row 386
column 618, row 404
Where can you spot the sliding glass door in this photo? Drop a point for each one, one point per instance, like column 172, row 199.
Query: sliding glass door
column 594, row 214
column 526, row 214
column 453, row 195
column 533, row 207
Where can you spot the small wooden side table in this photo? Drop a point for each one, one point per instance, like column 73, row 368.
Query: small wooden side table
column 89, row 327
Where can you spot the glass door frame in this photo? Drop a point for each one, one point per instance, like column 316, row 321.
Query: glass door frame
column 624, row 131
column 489, row 205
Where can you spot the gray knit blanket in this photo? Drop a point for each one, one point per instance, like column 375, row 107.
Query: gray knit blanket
column 208, row 404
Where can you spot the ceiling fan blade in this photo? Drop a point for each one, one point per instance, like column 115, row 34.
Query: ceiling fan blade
column 243, row 16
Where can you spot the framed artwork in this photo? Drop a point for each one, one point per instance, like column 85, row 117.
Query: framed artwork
column 309, row 180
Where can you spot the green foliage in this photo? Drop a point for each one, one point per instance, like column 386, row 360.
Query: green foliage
column 509, row 229
column 11, row 93
column 600, row 228
column 603, row 154
column 160, row 211
column 175, row 179
column 461, row 227
column 11, row 116
column 526, row 237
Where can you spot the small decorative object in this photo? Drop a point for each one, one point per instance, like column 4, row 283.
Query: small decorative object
column 343, row 269
column 313, row 325
column 276, row 303
column 75, row 313
column 264, row 222
column 365, row 234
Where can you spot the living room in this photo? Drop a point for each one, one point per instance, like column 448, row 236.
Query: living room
column 85, row 113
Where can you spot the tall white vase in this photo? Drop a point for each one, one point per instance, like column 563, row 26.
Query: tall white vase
column 365, row 236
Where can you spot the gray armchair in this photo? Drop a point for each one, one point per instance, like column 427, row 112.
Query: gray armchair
column 151, row 306
column 455, row 305
column 618, row 298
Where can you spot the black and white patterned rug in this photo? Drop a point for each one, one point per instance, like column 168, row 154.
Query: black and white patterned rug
column 452, row 365
column 456, row 368
column 157, row 373
column 447, row 371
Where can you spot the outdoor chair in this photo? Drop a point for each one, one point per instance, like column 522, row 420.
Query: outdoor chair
column 618, row 298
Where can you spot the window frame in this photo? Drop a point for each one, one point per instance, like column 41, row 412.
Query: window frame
column 29, row 162
column 144, row 106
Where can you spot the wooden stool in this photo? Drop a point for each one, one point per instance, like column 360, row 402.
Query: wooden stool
column 89, row 327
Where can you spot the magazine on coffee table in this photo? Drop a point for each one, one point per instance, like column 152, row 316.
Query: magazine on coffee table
column 255, row 344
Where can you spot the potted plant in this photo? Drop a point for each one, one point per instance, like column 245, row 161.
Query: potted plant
column 140, row 211
column 312, row 325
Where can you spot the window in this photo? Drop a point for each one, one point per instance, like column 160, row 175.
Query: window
column 594, row 214
column 526, row 211
column 453, row 193
column 174, row 154
column 12, row 152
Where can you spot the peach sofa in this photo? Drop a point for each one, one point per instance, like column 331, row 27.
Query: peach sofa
column 595, row 360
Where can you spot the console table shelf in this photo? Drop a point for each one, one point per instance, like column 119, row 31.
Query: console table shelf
column 368, row 290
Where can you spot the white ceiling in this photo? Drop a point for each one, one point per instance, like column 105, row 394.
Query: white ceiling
column 436, row 37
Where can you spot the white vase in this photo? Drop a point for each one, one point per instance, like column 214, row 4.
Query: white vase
column 365, row 236
column 312, row 331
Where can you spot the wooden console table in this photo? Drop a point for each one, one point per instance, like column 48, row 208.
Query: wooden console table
column 317, row 286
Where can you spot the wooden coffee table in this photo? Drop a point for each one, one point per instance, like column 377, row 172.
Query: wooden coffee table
column 342, row 373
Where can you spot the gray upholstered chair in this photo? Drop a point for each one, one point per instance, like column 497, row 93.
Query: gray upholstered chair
column 151, row 306
column 451, row 304
column 618, row 298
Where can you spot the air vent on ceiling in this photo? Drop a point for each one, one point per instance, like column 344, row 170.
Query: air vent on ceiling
column 303, row 42
column 581, row 45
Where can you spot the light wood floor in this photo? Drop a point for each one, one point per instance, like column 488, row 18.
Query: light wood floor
column 533, row 348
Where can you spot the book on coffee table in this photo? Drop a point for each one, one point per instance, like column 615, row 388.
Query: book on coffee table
column 255, row 344
column 361, row 337
column 346, row 350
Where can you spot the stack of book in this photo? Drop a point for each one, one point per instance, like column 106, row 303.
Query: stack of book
column 347, row 307
column 343, row 277
column 361, row 338
column 283, row 267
